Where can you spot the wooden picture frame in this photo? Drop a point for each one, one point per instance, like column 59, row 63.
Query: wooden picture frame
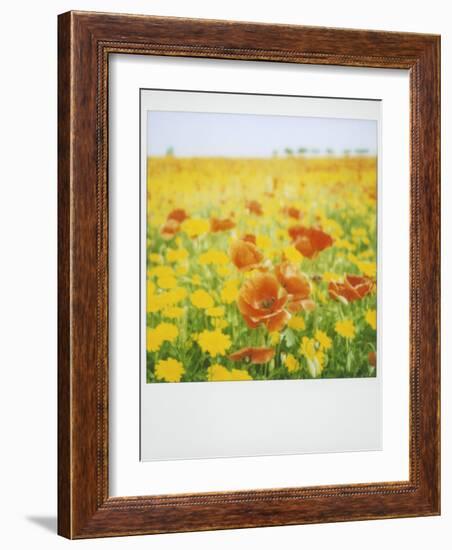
column 85, row 42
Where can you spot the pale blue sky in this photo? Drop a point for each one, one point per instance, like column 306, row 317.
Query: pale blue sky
column 238, row 135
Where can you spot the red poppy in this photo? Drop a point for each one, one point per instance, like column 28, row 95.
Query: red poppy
column 309, row 241
column 292, row 212
column 254, row 207
column 169, row 229
column 256, row 356
column 217, row 225
column 296, row 283
column 245, row 255
column 261, row 301
column 249, row 238
column 178, row 214
column 354, row 287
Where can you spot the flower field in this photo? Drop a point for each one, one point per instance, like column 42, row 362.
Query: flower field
column 261, row 269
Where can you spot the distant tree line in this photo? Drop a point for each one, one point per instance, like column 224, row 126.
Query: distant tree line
column 301, row 151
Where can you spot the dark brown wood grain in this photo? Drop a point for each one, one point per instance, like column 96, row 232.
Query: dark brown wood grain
column 85, row 508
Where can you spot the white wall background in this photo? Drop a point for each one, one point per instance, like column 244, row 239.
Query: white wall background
column 28, row 235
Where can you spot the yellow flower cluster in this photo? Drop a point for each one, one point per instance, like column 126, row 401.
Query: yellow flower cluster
column 169, row 370
column 371, row 318
column 164, row 332
column 202, row 299
column 315, row 357
column 296, row 323
column 345, row 328
column 219, row 373
column 230, row 291
column 291, row 363
column 214, row 257
column 176, row 254
column 194, row 227
column 214, row 342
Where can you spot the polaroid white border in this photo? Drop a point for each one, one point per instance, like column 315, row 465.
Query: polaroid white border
column 234, row 419
column 127, row 474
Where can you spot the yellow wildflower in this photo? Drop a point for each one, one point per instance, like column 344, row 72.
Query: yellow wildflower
column 201, row 299
column 230, row 291
column 154, row 303
column 292, row 254
column 196, row 280
column 331, row 277
column 174, row 296
column 219, row 323
column 173, row 312
column 194, row 227
column 218, row 373
column 274, row 338
column 217, row 311
column 296, row 323
column 323, row 339
column 239, row 374
column 371, row 318
column 161, row 271
column 345, row 328
column 367, row 268
column 223, row 270
column 214, row 257
column 291, row 363
column 343, row 243
column 333, row 228
column 167, row 282
column 150, row 287
column 164, row 332
column 315, row 358
column 153, row 340
column 358, row 232
column 264, row 242
column 176, row 254
column 307, row 347
column 214, row 342
column 155, row 258
column 316, row 366
column 367, row 253
column 167, row 332
column 169, row 370
column 150, row 290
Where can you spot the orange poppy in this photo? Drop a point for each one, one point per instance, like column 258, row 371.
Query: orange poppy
column 292, row 212
column 254, row 207
column 354, row 287
column 297, row 285
column 256, row 356
column 245, row 255
column 309, row 241
column 372, row 358
column 249, row 238
column 169, row 229
column 177, row 214
column 217, row 225
column 261, row 301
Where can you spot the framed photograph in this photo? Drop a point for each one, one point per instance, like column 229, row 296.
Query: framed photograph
column 248, row 275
